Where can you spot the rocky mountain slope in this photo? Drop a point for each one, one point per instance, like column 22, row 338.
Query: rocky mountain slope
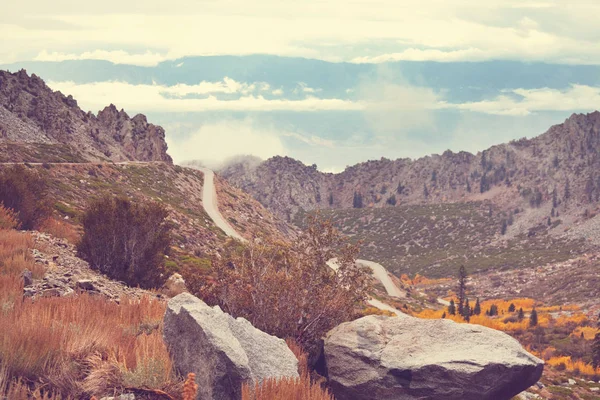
column 565, row 159
column 34, row 120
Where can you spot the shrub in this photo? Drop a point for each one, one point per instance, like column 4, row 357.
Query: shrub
column 126, row 240
column 8, row 219
column 288, row 290
column 25, row 193
column 60, row 229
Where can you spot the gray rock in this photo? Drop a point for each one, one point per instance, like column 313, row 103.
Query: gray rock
column 128, row 396
column 86, row 284
column 222, row 351
column 595, row 389
column 27, row 278
column 378, row 357
column 572, row 382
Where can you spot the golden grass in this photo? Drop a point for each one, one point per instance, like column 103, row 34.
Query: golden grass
column 15, row 255
column 285, row 389
column 300, row 354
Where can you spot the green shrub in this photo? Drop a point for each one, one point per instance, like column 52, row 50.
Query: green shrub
column 126, row 240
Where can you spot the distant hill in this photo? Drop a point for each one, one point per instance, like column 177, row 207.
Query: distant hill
column 37, row 123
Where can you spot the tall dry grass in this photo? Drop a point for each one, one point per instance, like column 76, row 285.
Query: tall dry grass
column 285, row 389
column 85, row 344
column 61, row 229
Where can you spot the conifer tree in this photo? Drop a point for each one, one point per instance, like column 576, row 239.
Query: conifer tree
column 533, row 318
column 466, row 310
column 511, row 308
column 596, row 351
column 521, row 314
column 462, row 288
column 444, row 315
column 477, row 308
column 452, row 308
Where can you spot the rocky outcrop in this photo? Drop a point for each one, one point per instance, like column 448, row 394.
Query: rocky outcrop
column 566, row 152
column 222, row 351
column 377, row 357
column 30, row 112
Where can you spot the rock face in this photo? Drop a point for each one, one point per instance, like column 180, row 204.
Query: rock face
column 377, row 357
column 222, row 351
column 566, row 152
column 30, row 112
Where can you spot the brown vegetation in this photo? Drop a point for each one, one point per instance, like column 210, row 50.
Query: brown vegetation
column 285, row 389
column 24, row 192
column 288, row 290
column 126, row 240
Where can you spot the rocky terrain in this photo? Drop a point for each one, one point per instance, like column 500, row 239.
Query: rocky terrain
column 558, row 166
column 34, row 119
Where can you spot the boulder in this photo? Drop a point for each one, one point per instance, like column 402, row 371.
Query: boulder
column 175, row 285
column 380, row 357
column 222, row 351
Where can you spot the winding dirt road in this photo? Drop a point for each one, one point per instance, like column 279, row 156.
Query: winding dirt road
column 209, row 202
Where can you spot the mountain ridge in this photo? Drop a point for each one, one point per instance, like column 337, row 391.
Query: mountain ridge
column 31, row 114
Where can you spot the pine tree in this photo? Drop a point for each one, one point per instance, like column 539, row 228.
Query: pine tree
column 330, row 199
column 466, row 310
column 468, row 186
column 533, row 318
column 511, row 308
column 444, row 315
column 477, row 308
column 425, row 191
column 452, row 308
column 567, row 190
column 521, row 314
column 554, row 198
column 549, row 222
column 596, row 351
column 462, row 288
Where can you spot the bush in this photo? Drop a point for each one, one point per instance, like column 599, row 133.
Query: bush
column 126, row 240
column 8, row 219
column 288, row 290
column 25, row 193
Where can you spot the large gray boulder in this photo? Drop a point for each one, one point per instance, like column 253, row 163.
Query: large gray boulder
column 379, row 357
column 222, row 351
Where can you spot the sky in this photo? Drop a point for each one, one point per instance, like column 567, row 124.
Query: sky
column 328, row 82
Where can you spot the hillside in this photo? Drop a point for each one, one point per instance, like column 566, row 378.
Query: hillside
column 564, row 158
column 35, row 121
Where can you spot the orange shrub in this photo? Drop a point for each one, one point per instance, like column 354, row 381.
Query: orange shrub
column 576, row 319
column 61, row 229
column 285, row 389
column 8, row 219
column 300, row 355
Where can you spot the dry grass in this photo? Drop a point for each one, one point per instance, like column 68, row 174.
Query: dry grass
column 15, row 256
column 285, row 389
column 61, row 229
column 300, row 354
column 8, row 219
column 86, row 344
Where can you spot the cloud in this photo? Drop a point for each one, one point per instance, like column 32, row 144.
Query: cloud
column 420, row 29
column 227, row 85
column 528, row 101
column 393, row 108
column 216, row 142
column 413, row 54
column 146, row 59
column 147, row 98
